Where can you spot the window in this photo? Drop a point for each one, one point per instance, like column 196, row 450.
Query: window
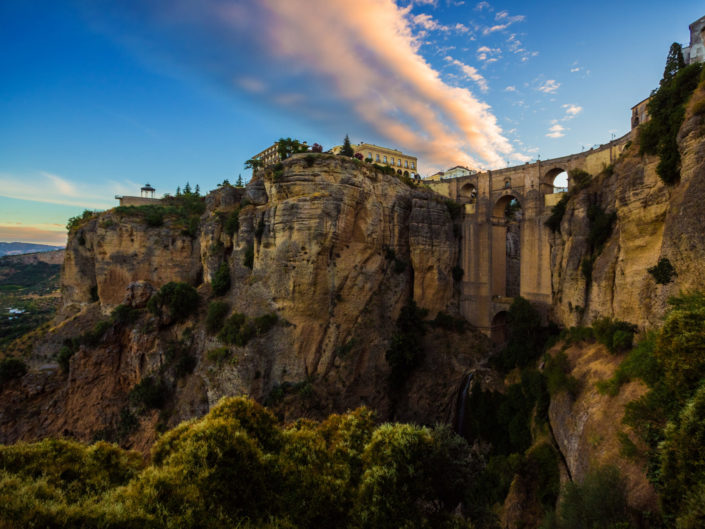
column 398, row 162
column 391, row 161
column 385, row 159
column 406, row 164
column 369, row 155
column 378, row 157
column 507, row 184
column 412, row 165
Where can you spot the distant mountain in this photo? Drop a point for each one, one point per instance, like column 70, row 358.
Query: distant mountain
column 18, row 248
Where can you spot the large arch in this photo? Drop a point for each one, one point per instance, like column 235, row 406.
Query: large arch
column 507, row 217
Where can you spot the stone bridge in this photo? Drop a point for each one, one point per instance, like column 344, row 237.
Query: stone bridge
column 505, row 248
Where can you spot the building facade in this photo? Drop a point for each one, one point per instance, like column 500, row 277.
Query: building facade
column 453, row 172
column 639, row 113
column 404, row 163
column 696, row 51
column 269, row 156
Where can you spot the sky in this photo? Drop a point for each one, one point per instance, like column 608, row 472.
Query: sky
column 99, row 97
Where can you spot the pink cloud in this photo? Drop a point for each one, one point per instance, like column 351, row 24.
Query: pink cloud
column 367, row 52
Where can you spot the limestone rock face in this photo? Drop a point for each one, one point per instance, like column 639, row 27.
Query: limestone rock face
column 654, row 221
column 586, row 427
column 330, row 245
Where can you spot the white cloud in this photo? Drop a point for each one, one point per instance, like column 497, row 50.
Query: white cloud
column 483, row 5
column 572, row 110
column 510, row 89
column 470, row 72
column 485, row 53
column 576, row 69
column 428, row 22
column 556, row 131
column 549, row 87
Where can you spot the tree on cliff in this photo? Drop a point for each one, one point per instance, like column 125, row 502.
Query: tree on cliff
column 239, row 181
column 674, row 63
column 286, row 147
column 254, row 164
column 347, row 149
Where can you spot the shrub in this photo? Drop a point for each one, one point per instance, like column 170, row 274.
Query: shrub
column 449, row 323
column 540, row 470
column 454, row 208
column 406, row 352
column 154, row 217
column 639, row 363
column 95, row 335
column 616, row 335
column 64, row 357
column 124, row 314
column 557, row 212
column 249, row 259
column 662, row 272
column 265, row 322
column 179, row 299
column 219, row 355
column 150, row 393
column 11, row 368
column 221, row 280
column 74, row 222
column 232, row 224
column 600, row 501
column 601, row 225
column 217, row 310
column 581, row 179
column 557, row 377
column 525, row 335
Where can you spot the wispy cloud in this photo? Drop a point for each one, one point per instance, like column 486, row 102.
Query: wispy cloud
column 483, row 5
column 54, row 189
column 504, row 21
column 549, row 87
column 470, row 71
column 487, row 54
column 510, row 89
column 572, row 110
column 556, row 131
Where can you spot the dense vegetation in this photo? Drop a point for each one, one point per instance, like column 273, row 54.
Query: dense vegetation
column 237, row 467
column 666, row 109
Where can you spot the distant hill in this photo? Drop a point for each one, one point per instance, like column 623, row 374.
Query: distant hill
column 18, row 248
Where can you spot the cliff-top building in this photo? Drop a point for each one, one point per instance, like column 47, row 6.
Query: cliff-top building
column 696, row 51
column 404, row 163
column 453, row 172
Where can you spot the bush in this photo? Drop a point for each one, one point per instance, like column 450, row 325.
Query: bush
column 406, row 352
column 217, row 311
column 154, row 217
column 616, row 335
column 232, row 224
column 557, row 212
column 249, row 259
column 179, row 299
column 74, row 222
column 95, row 335
column 662, row 272
column 600, row 501
column 557, row 371
column 640, row 363
column 221, row 280
column 64, row 357
column 525, row 335
column 601, row 225
column 455, row 209
column 11, row 368
column 219, row 355
column 581, row 179
column 150, row 393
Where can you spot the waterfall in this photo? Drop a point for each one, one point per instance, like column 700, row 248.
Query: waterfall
column 460, row 410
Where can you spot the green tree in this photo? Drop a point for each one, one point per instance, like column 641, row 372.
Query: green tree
column 674, row 63
column 347, row 149
column 286, row 147
column 254, row 164
column 239, row 181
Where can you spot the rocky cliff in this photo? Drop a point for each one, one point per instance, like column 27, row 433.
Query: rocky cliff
column 331, row 246
column 653, row 221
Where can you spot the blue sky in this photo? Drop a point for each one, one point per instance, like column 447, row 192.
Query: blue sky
column 99, row 97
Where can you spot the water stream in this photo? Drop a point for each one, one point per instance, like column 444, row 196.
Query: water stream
column 462, row 399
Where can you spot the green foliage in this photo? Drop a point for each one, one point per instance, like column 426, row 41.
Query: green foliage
column 309, row 160
column 219, row 354
column 347, row 149
column 221, row 280
column 601, row 225
column 581, row 179
column 663, row 272
column 286, row 147
column 599, row 502
column 406, row 352
column 95, row 335
column 640, row 363
column 445, row 321
column 150, row 393
column 232, row 224
column 666, row 108
column 674, row 63
column 616, row 335
column 154, row 216
column 64, row 357
column 558, row 379
column 540, row 470
column 124, row 315
column 180, row 300
column 254, row 164
column 249, row 259
column 238, row 329
column 553, row 222
column 11, row 368
column 525, row 335
column 278, row 171
column 74, row 222
column 217, row 310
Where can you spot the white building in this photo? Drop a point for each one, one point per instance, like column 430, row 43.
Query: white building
column 696, row 51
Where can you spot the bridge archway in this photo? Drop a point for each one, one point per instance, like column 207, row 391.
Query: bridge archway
column 498, row 328
column 507, row 217
column 555, row 180
column 468, row 193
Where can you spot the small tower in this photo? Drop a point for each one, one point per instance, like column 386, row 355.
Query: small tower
column 147, row 191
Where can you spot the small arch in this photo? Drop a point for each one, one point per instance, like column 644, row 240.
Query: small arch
column 507, row 183
column 399, row 171
column 406, row 173
column 498, row 328
column 555, row 181
column 468, row 192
